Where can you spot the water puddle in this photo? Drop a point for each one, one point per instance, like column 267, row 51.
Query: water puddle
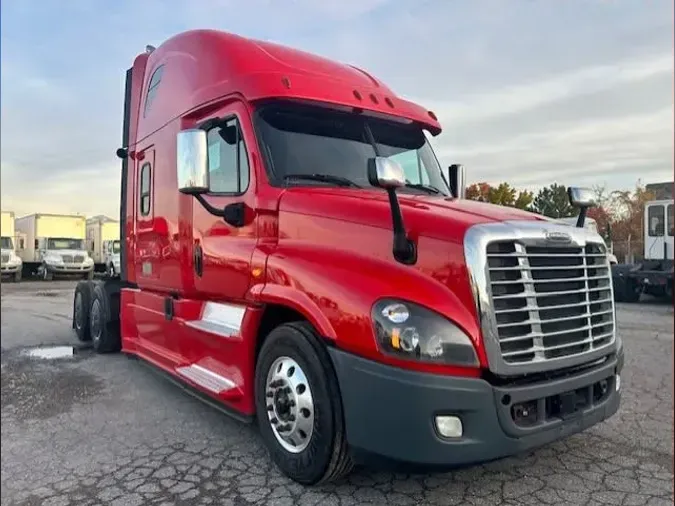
column 51, row 352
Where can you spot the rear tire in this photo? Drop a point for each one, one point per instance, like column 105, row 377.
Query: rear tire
column 631, row 291
column 104, row 323
column 322, row 455
column 81, row 308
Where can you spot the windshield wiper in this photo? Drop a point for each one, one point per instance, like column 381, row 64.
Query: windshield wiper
column 425, row 187
column 326, row 178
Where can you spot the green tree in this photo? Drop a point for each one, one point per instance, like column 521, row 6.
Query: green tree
column 502, row 195
column 552, row 201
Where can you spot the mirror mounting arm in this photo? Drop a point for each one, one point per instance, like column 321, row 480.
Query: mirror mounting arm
column 233, row 214
column 582, row 217
column 404, row 249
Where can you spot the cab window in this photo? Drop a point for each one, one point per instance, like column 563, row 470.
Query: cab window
column 656, row 217
column 671, row 222
column 145, row 190
column 228, row 161
column 152, row 88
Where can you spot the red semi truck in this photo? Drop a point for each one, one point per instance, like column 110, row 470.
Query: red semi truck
column 294, row 253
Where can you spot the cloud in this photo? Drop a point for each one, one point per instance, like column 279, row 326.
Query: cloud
column 527, row 96
column 532, row 92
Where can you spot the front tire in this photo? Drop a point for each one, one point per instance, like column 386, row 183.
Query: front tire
column 47, row 275
column 17, row 276
column 298, row 405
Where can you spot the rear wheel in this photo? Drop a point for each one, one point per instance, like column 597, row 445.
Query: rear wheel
column 631, row 291
column 81, row 307
column 298, row 406
column 104, row 320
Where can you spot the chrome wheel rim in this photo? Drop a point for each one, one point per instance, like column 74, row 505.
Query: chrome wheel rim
column 290, row 406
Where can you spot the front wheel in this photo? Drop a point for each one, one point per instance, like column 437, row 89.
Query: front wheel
column 17, row 276
column 298, row 406
column 47, row 275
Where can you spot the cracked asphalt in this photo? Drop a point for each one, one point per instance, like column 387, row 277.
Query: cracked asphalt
column 105, row 430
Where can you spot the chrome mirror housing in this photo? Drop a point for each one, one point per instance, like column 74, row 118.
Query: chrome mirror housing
column 581, row 197
column 385, row 173
column 192, row 167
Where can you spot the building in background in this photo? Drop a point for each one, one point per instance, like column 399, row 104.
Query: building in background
column 661, row 191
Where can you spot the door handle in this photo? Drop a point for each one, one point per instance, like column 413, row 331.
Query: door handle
column 197, row 260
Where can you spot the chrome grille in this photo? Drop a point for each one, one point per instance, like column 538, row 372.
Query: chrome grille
column 5, row 259
column 67, row 259
column 549, row 302
column 78, row 259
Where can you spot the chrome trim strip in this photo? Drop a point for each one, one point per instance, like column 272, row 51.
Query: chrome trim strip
column 532, row 233
column 205, row 378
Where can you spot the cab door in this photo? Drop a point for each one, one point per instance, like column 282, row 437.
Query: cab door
column 146, row 244
column 222, row 249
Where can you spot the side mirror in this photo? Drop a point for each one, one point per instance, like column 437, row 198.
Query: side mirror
column 583, row 198
column 388, row 174
column 457, row 180
column 385, row 173
column 192, row 167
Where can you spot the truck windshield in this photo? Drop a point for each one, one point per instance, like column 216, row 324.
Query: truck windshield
column 63, row 243
column 304, row 140
column 116, row 247
column 7, row 243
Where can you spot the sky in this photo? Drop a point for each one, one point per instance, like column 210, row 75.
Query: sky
column 530, row 92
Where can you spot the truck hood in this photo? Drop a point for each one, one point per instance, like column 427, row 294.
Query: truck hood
column 424, row 215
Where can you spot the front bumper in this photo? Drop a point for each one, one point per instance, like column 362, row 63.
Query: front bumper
column 10, row 269
column 390, row 412
column 69, row 269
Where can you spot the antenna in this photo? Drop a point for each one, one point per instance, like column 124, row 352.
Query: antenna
column 149, row 49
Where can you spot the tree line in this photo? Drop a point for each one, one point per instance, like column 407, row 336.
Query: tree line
column 619, row 214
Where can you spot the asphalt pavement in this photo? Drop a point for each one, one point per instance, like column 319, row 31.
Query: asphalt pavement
column 90, row 430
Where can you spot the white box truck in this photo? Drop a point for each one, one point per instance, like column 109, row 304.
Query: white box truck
column 11, row 265
column 103, row 243
column 53, row 244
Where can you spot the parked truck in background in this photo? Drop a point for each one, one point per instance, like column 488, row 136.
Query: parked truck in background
column 102, row 233
column 293, row 252
column 54, row 245
column 654, row 274
column 11, row 263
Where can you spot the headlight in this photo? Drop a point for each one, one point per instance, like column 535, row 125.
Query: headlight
column 408, row 331
column 88, row 260
column 14, row 260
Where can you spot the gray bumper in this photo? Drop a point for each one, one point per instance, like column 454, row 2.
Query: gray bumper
column 70, row 269
column 389, row 412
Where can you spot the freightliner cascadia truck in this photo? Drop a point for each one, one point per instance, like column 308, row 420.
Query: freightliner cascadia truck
column 293, row 253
